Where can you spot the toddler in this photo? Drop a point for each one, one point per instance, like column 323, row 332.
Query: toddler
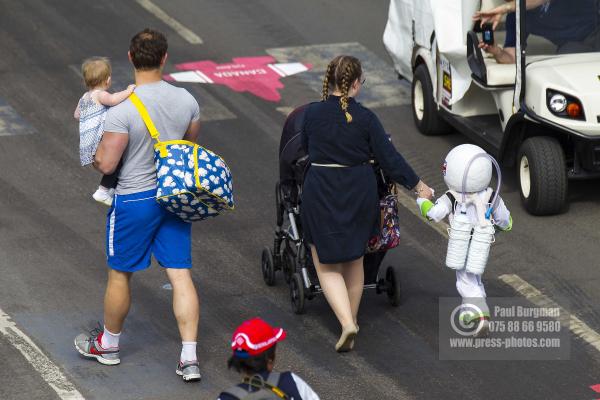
column 474, row 211
column 91, row 113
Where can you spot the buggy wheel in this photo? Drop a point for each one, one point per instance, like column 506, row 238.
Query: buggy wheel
column 297, row 293
column 424, row 109
column 289, row 265
column 542, row 176
column 278, row 204
column 394, row 289
column 267, row 266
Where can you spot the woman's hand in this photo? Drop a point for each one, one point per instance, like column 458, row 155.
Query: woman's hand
column 424, row 191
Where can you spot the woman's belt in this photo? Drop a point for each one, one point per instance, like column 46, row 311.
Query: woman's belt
column 329, row 165
column 340, row 165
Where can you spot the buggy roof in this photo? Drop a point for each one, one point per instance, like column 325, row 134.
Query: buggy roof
column 420, row 22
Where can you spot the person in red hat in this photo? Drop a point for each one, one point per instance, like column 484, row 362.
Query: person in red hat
column 253, row 345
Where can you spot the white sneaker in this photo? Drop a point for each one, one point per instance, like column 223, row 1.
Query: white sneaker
column 104, row 195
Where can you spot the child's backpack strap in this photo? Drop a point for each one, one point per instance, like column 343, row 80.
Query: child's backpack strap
column 271, row 384
column 273, row 379
column 492, row 194
column 451, row 197
column 267, row 389
column 490, row 206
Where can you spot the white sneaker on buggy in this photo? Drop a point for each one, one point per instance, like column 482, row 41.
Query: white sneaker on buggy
column 104, row 195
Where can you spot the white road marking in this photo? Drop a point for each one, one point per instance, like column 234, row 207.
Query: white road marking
column 77, row 70
column 204, row 76
column 285, row 110
column 184, row 32
column 287, row 69
column 277, row 70
column 576, row 325
column 38, row 360
column 11, row 123
column 188, row 76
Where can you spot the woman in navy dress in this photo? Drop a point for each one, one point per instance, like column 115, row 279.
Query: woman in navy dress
column 340, row 204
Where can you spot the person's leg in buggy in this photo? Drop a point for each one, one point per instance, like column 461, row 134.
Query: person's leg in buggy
column 106, row 191
column 342, row 286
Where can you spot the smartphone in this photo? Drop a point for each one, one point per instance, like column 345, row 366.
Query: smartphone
column 488, row 34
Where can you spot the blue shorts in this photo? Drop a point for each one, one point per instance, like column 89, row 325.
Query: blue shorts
column 137, row 227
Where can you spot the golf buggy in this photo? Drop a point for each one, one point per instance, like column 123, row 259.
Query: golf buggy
column 540, row 113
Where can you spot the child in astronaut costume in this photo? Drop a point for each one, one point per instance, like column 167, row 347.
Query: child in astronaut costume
column 473, row 210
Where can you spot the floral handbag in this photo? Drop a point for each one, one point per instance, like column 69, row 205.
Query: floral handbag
column 389, row 234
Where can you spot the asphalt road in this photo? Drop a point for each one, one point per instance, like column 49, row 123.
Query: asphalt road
column 52, row 262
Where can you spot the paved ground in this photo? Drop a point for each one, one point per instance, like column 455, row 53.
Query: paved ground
column 52, row 268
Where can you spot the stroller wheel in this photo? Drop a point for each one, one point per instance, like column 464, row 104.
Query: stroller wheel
column 394, row 289
column 289, row 265
column 267, row 266
column 297, row 293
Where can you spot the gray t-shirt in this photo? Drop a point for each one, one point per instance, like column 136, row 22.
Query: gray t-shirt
column 171, row 109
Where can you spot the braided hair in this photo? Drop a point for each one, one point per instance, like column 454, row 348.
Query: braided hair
column 328, row 77
column 341, row 73
column 345, row 88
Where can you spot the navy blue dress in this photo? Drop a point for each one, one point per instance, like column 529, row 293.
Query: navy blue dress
column 340, row 206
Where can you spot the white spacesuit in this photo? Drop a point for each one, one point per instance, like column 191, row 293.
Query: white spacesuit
column 473, row 210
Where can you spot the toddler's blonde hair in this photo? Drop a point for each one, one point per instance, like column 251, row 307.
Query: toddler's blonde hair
column 95, row 71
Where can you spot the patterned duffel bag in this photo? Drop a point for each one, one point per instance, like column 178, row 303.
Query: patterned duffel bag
column 192, row 182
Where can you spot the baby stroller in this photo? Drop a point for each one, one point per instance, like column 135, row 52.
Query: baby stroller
column 290, row 254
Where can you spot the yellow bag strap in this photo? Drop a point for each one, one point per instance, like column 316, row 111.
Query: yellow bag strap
column 145, row 116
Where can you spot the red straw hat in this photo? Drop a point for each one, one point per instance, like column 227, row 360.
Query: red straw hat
column 255, row 336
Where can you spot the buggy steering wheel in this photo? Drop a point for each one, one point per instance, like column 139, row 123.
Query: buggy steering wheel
column 475, row 59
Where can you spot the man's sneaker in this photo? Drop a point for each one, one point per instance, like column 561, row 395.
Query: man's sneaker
column 189, row 371
column 89, row 346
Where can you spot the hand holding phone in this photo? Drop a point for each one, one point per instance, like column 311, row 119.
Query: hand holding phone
column 488, row 34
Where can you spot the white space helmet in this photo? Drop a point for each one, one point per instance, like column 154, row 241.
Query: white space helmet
column 480, row 172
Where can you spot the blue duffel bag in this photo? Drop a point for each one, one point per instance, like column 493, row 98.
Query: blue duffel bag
column 192, row 182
